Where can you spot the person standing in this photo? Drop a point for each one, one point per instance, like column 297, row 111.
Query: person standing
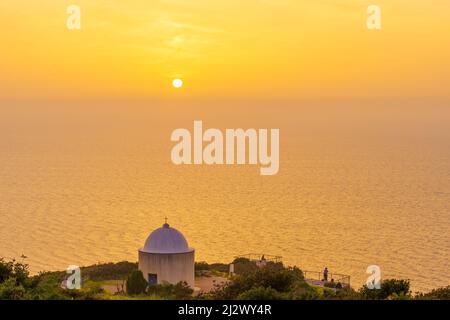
column 325, row 274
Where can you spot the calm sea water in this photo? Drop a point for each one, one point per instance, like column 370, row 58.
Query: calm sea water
column 357, row 186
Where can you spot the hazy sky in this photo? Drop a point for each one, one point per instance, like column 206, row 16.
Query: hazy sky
column 254, row 48
column 364, row 119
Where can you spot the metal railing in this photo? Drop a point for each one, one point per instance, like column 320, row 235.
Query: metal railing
column 259, row 256
column 317, row 278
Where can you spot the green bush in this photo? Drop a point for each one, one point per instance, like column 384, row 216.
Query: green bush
column 136, row 284
column 261, row 293
column 220, row 267
column 13, row 269
column 179, row 291
column 346, row 294
column 271, row 282
column 47, row 287
column 11, row 290
column 303, row 291
column 201, row 266
column 435, row 294
column 272, row 276
column 109, row 271
column 389, row 288
column 244, row 265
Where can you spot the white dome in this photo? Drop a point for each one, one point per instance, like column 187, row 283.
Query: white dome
column 166, row 240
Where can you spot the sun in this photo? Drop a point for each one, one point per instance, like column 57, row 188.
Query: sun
column 177, row 83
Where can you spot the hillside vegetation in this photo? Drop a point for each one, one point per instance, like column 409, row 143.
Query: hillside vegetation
column 274, row 281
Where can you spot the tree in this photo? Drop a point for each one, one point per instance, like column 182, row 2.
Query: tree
column 13, row 269
column 6, row 270
column 11, row 290
column 136, row 284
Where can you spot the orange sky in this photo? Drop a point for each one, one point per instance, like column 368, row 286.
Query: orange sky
column 255, row 49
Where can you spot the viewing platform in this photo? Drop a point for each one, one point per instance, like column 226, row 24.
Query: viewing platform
column 314, row 278
column 335, row 280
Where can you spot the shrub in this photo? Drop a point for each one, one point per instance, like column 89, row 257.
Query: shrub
column 136, row 284
column 347, row 294
column 389, row 288
column 244, row 265
column 205, row 269
column 6, row 270
column 435, row 294
column 303, row 291
column 179, row 291
column 271, row 276
column 261, row 293
column 47, row 287
column 109, row 271
column 11, row 290
column 220, row 267
column 13, row 269
column 201, row 266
